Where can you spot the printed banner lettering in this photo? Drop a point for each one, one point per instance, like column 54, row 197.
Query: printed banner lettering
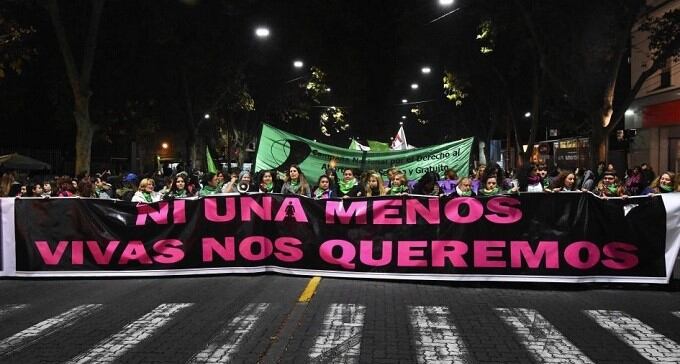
column 278, row 149
column 566, row 237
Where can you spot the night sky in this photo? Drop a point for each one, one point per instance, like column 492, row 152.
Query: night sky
column 371, row 51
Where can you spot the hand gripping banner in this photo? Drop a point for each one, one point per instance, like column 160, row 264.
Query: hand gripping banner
column 277, row 150
column 561, row 237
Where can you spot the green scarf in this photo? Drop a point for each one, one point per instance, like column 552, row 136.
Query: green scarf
column 294, row 186
column 345, row 186
column 397, row 190
column 147, row 196
column 461, row 193
column 493, row 192
column 209, row 190
column 269, row 187
column 613, row 189
column 180, row 193
column 318, row 193
column 664, row 188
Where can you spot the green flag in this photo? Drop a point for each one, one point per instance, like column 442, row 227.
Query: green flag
column 378, row 146
column 277, row 150
column 209, row 161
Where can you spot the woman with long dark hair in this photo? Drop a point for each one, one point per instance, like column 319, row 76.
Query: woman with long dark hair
column 296, row 183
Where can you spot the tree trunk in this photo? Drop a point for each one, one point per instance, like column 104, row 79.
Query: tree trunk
column 84, row 134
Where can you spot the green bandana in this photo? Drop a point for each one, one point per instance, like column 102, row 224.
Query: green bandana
column 463, row 193
column 613, row 189
column 397, row 190
column 493, row 192
column 345, row 186
column 147, row 196
column 209, row 190
column 294, row 186
column 180, row 193
column 664, row 188
column 269, row 187
column 319, row 193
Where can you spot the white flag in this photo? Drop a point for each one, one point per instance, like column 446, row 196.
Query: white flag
column 399, row 142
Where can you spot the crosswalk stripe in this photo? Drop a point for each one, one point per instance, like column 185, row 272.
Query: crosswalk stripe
column 7, row 309
column 545, row 343
column 437, row 340
column 339, row 340
column 220, row 348
column 113, row 347
column 641, row 337
column 46, row 327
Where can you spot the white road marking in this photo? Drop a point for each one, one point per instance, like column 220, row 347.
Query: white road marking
column 437, row 340
column 224, row 344
column 650, row 344
column 540, row 338
column 8, row 309
column 340, row 338
column 46, row 327
column 113, row 347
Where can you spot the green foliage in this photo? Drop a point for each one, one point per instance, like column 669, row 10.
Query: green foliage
column 333, row 119
column 664, row 35
column 14, row 48
column 486, row 36
column 452, row 89
column 316, row 86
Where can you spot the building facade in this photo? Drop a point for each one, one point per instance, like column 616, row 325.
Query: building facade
column 655, row 113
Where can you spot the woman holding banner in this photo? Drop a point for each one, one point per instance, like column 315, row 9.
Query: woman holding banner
column 463, row 188
column 145, row 192
column 609, row 186
column 266, row 182
column 662, row 184
column 323, row 190
column 565, row 181
column 348, row 185
column 296, row 183
column 399, row 185
column 209, row 185
column 179, row 187
column 374, row 185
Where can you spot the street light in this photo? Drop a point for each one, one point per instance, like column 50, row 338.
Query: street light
column 298, row 64
column 262, row 32
column 414, row 86
column 401, row 123
column 165, row 146
column 527, row 114
column 403, row 101
column 445, row 2
column 206, row 116
column 403, row 117
column 328, row 89
column 426, row 70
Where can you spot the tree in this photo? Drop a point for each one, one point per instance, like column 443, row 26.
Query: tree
column 15, row 49
column 79, row 79
column 583, row 57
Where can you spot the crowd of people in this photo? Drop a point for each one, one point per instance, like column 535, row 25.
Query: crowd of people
column 483, row 181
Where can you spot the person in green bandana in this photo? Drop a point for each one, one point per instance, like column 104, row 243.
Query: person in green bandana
column 463, row 188
column 609, row 186
column 146, row 193
column 399, row 185
column 296, row 183
column 662, row 184
column 267, row 183
column 491, row 187
column 179, row 187
column 209, row 185
column 348, row 185
column 323, row 189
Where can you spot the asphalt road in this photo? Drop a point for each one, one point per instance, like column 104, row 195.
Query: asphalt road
column 259, row 319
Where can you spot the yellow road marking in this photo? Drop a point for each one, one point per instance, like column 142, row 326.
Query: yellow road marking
column 309, row 291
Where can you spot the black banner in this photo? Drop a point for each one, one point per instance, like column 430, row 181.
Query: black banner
column 531, row 237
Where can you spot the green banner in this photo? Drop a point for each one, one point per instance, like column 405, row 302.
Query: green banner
column 278, row 149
